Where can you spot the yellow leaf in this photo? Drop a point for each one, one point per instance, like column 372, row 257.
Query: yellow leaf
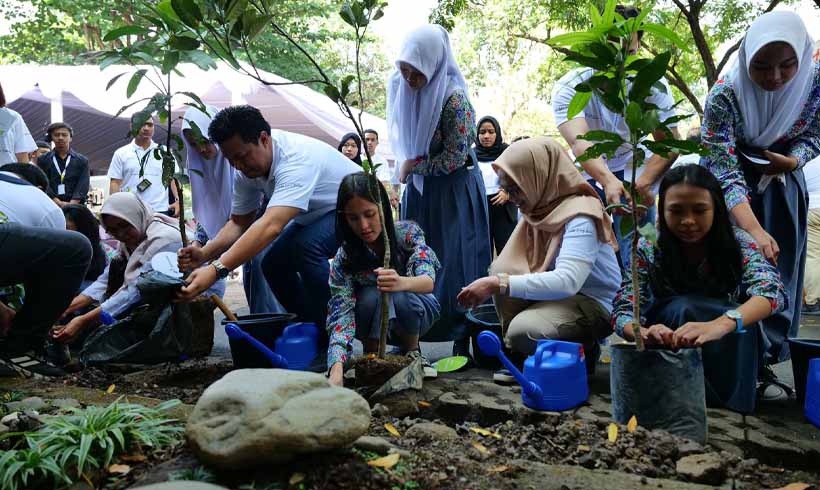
column 386, row 462
column 612, row 433
column 796, row 486
column 371, row 356
column 499, row 469
column 119, row 469
column 110, row 389
column 296, row 479
column 424, row 404
column 392, row 430
column 485, row 432
column 481, row 447
column 584, row 448
column 632, row 424
column 606, row 360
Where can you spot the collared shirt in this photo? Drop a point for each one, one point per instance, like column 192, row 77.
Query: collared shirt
column 305, row 174
column 73, row 173
column 14, row 136
column 125, row 165
column 22, row 203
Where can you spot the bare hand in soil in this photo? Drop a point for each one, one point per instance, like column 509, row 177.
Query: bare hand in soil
column 389, row 281
column 478, row 292
column 190, row 258
column 68, row 333
column 336, row 376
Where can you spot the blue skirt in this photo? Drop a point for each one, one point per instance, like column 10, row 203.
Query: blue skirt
column 453, row 214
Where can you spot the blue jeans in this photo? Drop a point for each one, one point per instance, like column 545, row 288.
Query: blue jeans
column 259, row 295
column 410, row 313
column 296, row 268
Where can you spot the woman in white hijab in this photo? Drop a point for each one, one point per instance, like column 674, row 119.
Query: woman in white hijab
column 431, row 124
column 761, row 125
column 211, row 193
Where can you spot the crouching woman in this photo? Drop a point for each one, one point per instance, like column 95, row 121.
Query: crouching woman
column 357, row 277
column 702, row 285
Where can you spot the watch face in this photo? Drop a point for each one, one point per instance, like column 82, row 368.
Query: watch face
column 734, row 314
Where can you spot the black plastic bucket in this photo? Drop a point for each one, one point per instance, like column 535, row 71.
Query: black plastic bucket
column 264, row 327
column 479, row 319
column 802, row 351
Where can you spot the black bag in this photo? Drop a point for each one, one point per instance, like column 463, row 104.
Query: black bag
column 154, row 332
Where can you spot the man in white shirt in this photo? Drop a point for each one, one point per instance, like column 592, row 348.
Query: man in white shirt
column 300, row 176
column 385, row 172
column 124, row 170
column 23, row 197
column 608, row 175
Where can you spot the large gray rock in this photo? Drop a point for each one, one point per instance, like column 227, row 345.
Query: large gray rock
column 256, row 416
column 181, row 485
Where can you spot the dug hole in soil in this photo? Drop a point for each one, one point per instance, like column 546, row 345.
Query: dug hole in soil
column 477, row 458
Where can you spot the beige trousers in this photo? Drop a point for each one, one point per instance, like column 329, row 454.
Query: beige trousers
column 811, row 280
column 575, row 319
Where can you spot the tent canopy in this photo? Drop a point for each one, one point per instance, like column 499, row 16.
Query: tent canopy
column 77, row 95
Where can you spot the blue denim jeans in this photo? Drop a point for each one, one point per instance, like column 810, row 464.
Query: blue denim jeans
column 410, row 313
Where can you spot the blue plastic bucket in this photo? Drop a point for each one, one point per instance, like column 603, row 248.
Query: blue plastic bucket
column 802, row 350
column 812, row 405
column 264, row 327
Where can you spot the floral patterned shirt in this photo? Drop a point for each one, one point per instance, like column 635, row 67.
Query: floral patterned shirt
column 723, row 127
column 452, row 139
column 341, row 318
column 760, row 278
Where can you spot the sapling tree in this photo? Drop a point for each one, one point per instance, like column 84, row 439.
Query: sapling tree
column 622, row 82
column 158, row 44
column 228, row 28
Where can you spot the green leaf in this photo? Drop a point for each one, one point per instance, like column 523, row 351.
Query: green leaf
column 114, row 80
column 594, row 15
column 346, row 12
column 619, row 205
column 577, row 104
column 332, row 92
column 650, row 121
column 183, row 43
column 666, row 33
column 599, row 135
column 684, row 146
column 588, row 61
column 608, row 148
column 129, row 30
column 235, row 9
column 109, row 60
column 648, row 75
column 201, row 59
column 627, row 224
column 85, row 447
column 170, row 61
column 649, row 232
column 188, row 11
column 254, row 24
column 135, row 82
column 574, row 38
column 675, row 119
column 345, row 85
column 166, row 11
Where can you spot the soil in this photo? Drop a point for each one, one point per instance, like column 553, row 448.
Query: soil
column 372, row 371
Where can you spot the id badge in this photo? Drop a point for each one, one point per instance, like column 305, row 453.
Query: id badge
column 144, row 185
column 61, row 189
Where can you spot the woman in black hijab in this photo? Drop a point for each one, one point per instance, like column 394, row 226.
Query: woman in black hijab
column 351, row 146
column 489, row 145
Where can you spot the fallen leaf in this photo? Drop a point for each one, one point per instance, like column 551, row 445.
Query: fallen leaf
column 584, row 448
column 296, row 479
column 481, row 447
column 485, row 432
column 606, row 360
column 612, row 433
column 632, row 424
column 424, row 404
column 392, row 430
column 772, row 469
column 385, row 462
column 134, row 458
column 371, row 356
column 119, row 469
column 796, row 486
column 499, row 469
column 110, row 389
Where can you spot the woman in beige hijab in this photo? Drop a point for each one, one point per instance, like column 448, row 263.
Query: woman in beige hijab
column 557, row 275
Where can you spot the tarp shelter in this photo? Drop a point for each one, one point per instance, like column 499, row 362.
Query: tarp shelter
column 77, row 95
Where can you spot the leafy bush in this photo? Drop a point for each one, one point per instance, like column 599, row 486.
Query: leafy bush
column 68, row 445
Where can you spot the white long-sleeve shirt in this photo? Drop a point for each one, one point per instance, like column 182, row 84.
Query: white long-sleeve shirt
column 583, row 265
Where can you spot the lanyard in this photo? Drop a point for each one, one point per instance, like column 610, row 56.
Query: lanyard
column 57, row 166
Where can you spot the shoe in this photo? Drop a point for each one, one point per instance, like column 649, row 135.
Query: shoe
column 503, row 377
column 429, row 371
column 27, row 364
column 770, row 388
column 461, row 347
column 811, row 310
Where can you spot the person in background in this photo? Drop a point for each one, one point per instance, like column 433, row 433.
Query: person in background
column 80, row 219
column 811, row 281
column 384, row 171
column 67, row 171
column 761, row 125
column 23, row 197
column 502, row 213
column 357, row 277
column 431, row 124
column 351, row 147
column 607, row 175
column 702, row 284
column 125, row 169
column 16, row 142
column 212, row 180
column 558, row 274
column 42, row 148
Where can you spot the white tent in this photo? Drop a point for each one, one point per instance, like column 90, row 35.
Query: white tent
column 78, row 96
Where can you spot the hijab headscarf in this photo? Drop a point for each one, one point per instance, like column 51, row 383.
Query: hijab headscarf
column 767, row 116
column 157, row 230
column 354, row 137
column 211, row 180
column 555, row 193
column 413, row 115
column 492, row 153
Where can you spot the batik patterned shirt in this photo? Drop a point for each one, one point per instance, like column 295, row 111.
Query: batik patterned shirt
column 452, row 139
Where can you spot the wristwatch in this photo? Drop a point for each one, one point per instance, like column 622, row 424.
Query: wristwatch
column 503, row 283
column 221, row 271
column 737, row 317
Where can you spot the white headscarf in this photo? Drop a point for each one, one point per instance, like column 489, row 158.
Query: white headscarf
column 769, row 115
column 413, row 115
column 212, row 183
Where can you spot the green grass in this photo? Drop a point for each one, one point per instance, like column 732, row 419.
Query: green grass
column 200, row 473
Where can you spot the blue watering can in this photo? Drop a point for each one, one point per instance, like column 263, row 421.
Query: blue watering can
column 236, row 333
column 812, row 405
column 555, row 376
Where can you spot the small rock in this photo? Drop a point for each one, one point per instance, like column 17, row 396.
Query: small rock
column 587, row 461
column 688, row 447
column 374, row 444
column 429, row 431
column 379, row 410
column 8, row 419
column 401, row 404
column 709, row 468
column 64, row 403
column 30, row 403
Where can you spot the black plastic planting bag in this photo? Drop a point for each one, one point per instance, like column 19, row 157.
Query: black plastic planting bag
column 662, row 389
column 155, row 331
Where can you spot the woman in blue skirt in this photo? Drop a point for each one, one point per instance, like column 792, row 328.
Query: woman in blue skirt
column 761, row 125
column 432, row 127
